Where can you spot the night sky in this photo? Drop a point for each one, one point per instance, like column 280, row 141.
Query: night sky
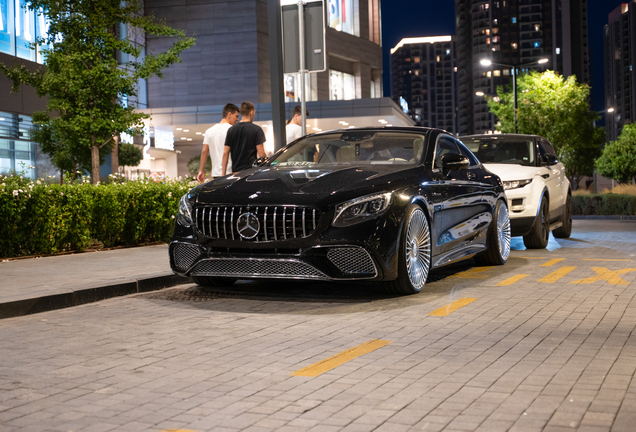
column 415, row 18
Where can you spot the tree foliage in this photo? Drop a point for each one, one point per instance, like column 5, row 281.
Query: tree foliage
column 557, row 109
column 129, row 155
column 618, row 160
column 87, row 87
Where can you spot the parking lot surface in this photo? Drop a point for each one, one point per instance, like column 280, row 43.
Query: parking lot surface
column 544, row 343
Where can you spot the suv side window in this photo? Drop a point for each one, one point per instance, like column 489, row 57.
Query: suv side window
column 472, row 159
column 545, row 148
column 445, row 145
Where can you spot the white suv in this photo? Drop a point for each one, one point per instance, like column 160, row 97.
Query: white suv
column 538, row 192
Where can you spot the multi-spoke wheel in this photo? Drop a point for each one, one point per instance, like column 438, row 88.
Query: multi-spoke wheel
column 538, row 236
column 498, row 238
column 414, row 255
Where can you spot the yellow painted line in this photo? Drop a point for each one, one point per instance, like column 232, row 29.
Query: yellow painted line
column 339, row 359
column 604, row 274
column 452, row 307
column 601, row 259
column 512, row 280
column 555, row 276
column 473, row 273
column 552, row 262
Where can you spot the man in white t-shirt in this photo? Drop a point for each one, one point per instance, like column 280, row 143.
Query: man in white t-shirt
column 294, row 128
column 214, row 142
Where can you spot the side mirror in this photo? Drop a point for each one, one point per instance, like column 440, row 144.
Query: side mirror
column 258, row 162
column 453, row 162
column 549, row 159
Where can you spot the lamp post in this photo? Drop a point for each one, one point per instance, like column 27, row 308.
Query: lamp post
column 486, row 62
column 609, row 110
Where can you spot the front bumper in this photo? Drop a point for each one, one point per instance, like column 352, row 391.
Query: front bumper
column 524, row 206
column 332, row 262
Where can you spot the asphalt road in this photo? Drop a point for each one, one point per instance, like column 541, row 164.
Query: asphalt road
column 544, row 343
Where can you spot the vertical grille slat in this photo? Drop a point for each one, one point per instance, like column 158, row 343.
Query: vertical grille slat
column 280, row 222
column 265, row 222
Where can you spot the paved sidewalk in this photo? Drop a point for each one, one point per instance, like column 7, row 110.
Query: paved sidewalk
column 39, row 284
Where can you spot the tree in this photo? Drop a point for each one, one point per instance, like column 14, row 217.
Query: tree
column 618, row 160
column 558, row 110
column 129, row 155
column 88, row 89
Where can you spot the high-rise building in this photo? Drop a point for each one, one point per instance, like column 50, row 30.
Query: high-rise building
column 620, row 76
column 515, row 33
column 424, row 80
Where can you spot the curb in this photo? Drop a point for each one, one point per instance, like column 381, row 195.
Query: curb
column 89, row 294
column 605, row 217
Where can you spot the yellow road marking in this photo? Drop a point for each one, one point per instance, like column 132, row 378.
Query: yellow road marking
column 602, row 259
column 556, row 275
column 552, row 262
column 604, row 274
column 512, row 280
column 452, row 307
column 339, row 359
column 472, row 273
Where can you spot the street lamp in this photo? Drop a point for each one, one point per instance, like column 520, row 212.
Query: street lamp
column 486, row 62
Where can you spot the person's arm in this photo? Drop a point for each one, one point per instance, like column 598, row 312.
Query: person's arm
column 226, row 157
column 205, row 152
column 260, row 150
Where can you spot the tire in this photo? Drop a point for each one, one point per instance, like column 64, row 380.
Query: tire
column 414, row 254
column 538, row 236
column 207, row 281
column 565, row 230
column 498, row 239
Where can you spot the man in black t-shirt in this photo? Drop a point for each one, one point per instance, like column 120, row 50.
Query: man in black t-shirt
column 244, row 141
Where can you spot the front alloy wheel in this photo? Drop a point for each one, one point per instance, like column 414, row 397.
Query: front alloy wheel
column 414, row 255
column 538, row 236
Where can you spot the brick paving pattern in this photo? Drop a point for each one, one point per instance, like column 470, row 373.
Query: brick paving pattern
column 531, row 356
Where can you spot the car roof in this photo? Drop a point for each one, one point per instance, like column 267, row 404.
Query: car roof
column 418, row 129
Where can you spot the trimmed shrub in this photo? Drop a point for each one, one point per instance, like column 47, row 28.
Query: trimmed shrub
column 605, row 204
column 42, row 218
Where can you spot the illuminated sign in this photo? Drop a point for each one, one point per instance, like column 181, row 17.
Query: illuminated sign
column 404, row 104
column 164, row 139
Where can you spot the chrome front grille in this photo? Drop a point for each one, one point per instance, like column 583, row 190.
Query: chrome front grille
column 352, row 260
column 256, row 268
column 182, row 256
column 276, row 222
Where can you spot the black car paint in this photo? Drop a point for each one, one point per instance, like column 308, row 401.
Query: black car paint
column 449, row 200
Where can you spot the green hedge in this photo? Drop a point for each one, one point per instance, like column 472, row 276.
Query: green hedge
column 41, row 218
column 605, row 204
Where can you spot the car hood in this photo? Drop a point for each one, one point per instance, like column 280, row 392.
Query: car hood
column 510, row 172
column 304, row 185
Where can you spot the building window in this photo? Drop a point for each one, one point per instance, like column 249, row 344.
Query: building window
column 497, row 73
column 19, row 27
column 536, row 44
column 416, row 60
column 16, row 152
column 373, row 89
column 514, row 45
column 341, row 15
column 558, row 51
column 438, row 58
column 342, row 86
column 448, row 52
column 514, row 20
column 537, row 27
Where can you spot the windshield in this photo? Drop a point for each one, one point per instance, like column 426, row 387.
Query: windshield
column 355, row 147
column 502, row 151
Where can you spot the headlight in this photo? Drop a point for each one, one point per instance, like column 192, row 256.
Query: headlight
column 184, row 216
column 361, row 209
column 516, row 184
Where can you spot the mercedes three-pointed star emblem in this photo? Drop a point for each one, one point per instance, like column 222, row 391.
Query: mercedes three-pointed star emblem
column 248, row 225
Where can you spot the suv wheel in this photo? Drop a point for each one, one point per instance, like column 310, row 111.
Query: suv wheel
column 537, row 238
column 566, row 229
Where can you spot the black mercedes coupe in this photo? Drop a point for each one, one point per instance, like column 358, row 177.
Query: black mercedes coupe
column 365, row 204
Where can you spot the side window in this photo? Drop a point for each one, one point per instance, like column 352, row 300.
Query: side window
column 467, row 154
column 545, row 148
column 445, row 145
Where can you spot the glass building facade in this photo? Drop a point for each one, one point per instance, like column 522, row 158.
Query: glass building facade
column 19, row 28
column 17, row 153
